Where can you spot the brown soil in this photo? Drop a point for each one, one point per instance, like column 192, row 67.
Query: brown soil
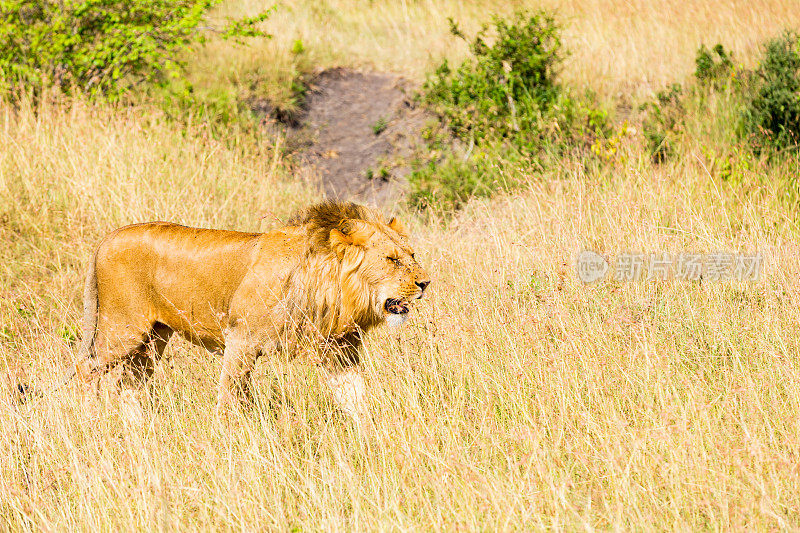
column 357, row 133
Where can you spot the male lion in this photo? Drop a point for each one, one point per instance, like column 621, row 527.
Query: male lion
column 335, row 271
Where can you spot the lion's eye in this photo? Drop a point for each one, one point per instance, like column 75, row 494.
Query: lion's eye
column 394, row 260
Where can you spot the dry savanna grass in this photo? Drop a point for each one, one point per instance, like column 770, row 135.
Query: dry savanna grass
column 616, row 48
column 515, row 398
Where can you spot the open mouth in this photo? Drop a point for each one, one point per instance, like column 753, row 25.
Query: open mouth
column 396, row 307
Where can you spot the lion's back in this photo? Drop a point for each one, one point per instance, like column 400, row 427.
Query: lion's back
column 175, row 274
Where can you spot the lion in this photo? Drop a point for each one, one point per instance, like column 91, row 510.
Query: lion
column 335, row 271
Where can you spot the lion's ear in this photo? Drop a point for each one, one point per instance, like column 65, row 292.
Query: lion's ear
column 339, row 238
column 398, row 226
column 356, row 233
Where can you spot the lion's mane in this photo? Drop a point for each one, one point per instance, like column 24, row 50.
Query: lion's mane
column 328, row 298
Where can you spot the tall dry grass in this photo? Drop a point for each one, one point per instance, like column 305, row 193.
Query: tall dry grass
column 516, row 397
column 616, row 48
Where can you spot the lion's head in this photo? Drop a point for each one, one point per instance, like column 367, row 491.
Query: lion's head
column 377, row 271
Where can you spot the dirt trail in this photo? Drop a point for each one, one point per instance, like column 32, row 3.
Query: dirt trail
column 357, row 134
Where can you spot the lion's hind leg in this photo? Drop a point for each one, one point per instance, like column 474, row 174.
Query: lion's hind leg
column 139, row 365
column 124, row 357
column 135, row 371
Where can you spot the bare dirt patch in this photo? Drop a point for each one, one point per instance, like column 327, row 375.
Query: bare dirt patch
column 357, row 134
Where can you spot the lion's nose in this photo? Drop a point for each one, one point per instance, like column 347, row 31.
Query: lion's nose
column 423, row 285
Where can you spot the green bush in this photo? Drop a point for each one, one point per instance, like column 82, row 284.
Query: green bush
column 504, row 101
column 713, row 67
column 772, row 110
column 100, row 47
column 446, row 185
column 760, row 106
column 662, row 121
column 506, row 87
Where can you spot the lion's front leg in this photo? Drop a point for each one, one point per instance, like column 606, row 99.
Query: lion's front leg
column 348, row 389
column 237, row 365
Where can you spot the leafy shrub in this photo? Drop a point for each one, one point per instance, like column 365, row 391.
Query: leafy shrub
column 761, row 106
column 772, row 113
column 100, row 47
column 506, row 104
column 663, row 118
column 506, row 88
column 447, row 185
column 713, row 67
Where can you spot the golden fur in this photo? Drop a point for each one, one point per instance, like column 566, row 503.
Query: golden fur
column 335, row 271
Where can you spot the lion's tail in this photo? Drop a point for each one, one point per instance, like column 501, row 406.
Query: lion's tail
column 90, row 309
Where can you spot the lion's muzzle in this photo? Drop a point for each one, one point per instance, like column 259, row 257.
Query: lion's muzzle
column 396, row 307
